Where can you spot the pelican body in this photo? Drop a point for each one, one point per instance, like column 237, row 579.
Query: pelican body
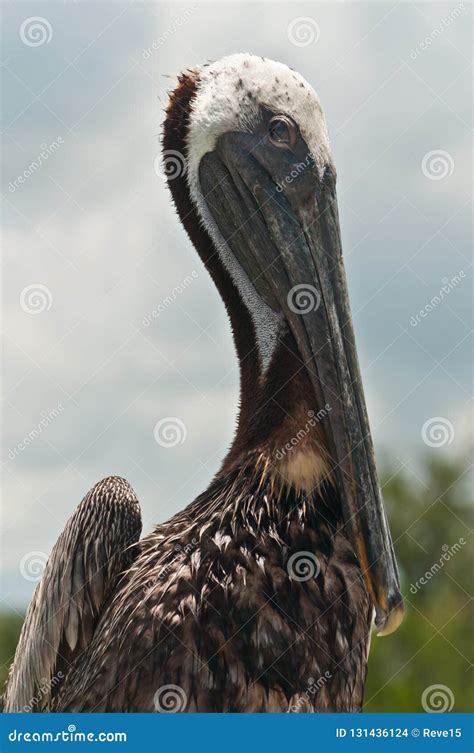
column 259, row 596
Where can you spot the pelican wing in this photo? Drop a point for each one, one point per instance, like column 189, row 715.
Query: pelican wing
column 96, row 546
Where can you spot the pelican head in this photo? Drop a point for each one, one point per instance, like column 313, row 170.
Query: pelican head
column 260, row 176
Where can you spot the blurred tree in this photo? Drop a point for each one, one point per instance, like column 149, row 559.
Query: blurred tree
column 431, row 521
column 430, row 518
column 10, row 626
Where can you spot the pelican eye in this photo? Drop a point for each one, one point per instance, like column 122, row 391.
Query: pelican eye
column 282, row 131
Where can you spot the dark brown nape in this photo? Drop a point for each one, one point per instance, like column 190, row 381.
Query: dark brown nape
column 270, row 406
column 175, row 138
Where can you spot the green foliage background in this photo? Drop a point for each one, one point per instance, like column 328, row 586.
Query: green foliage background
column 429, row 513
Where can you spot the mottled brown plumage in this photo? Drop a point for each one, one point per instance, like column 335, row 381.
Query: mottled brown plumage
column 211, row 606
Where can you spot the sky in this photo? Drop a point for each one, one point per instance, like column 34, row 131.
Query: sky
column 92, row 246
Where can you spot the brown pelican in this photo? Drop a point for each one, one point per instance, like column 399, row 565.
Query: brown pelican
column 260, row 595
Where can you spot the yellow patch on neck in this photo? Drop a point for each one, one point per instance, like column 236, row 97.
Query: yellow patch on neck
column 302, row 469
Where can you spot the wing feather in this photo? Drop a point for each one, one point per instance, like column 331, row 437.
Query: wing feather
column 95, row 548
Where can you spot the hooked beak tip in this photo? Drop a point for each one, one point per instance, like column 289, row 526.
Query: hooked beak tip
column 388, row 620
